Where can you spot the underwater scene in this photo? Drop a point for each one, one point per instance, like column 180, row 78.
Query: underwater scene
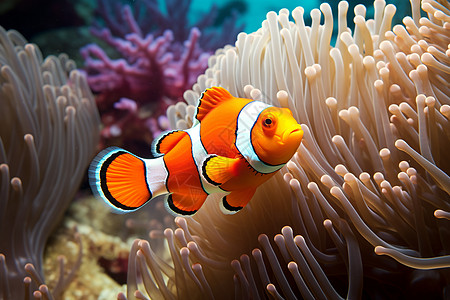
column 189, row 149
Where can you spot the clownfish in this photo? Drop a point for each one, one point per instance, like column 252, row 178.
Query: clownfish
column 234, row 146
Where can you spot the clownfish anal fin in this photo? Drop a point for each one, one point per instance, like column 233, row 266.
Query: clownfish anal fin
column 167, row 141
column 184, row 204
column 219, row 169
column 236, row 200
column 119, row 178
column 209, row 99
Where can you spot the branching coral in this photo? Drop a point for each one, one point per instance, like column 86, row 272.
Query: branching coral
column 161, row 57
column 154, row 73
column 363, row 205
column 48, row 131
column 168, row 15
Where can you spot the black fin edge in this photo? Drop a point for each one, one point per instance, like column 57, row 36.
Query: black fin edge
column 204, row 171
column 157, row 146
column 104, row 186
column 229, row 207
column 200, row 103
column 178, row 210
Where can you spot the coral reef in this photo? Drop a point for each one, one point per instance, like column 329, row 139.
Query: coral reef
column 102, row 249
column 105, row 240
column 362, row 209
column 160, row 57
column 217, row 29
column 49, row 127
column 132, row 92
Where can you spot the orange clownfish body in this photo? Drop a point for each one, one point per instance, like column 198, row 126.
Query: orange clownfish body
column 233, row 147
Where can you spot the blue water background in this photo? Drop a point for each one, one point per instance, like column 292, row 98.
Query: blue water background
column 255, row 10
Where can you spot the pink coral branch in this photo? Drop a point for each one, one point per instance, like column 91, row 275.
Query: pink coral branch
column 131, row 21
column 153, row 70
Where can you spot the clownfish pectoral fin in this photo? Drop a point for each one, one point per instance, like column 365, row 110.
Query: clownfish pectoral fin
column 219, row 169
column 236, row 200
column 210, row 99
column 119, row 178
column 166, row 142
column 185, row 204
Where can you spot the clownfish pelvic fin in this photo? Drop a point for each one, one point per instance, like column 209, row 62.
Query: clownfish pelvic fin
column 219, row 169
column 121, row 179
column 236, row 200
column 186, row 204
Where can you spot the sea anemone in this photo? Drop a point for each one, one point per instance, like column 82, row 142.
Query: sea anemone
column 362, row 209
column 49, row 127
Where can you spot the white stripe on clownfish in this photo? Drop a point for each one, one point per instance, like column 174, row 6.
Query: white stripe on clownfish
column 245, row 121
column 199, row 155
column 156, row 170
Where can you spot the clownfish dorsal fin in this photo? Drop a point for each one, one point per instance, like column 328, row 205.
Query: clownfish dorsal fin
column 219, row 169
column 166, row 141
column 210, row 99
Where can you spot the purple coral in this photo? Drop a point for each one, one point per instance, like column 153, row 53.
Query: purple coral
column 122, row 20
column 153, row 72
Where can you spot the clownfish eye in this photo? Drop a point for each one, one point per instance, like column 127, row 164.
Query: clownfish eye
column 268, row 122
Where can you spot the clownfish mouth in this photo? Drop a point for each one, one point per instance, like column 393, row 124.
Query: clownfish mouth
column 292, row 134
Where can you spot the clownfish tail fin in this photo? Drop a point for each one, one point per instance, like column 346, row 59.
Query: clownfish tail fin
column 120, row 179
